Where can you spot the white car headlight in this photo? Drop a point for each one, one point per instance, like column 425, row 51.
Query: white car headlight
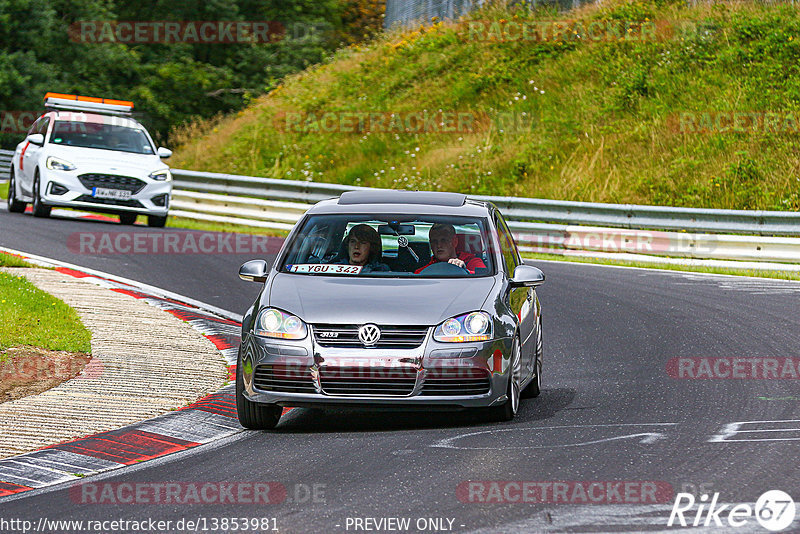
column 275, row 323
column 162, row 176
column 475, row 326
column 56, row 164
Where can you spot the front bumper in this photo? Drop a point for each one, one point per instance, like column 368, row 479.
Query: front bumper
column 152, row 199
column 304, row 374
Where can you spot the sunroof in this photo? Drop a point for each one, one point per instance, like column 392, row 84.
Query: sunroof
column 388, row 196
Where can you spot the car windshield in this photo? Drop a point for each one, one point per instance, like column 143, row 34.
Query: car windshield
column 102, row 136
column 413, row 246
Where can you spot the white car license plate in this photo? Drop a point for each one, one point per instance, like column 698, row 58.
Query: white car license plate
column 115, row 194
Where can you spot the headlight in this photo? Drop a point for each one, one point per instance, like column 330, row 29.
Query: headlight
column 162, row 176
column 275, row 323
column 475, row 326
column 56, row 164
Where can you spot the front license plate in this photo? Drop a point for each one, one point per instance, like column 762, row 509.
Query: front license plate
column 325, row 269
column 115, row 194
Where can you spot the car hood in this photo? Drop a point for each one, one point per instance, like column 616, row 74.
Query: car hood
column 352, row 300
column 92, row 159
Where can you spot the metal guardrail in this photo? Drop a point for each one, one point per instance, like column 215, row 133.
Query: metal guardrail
column 538, row 225
column 5, row 164
column 527, row 212
column 262, row 202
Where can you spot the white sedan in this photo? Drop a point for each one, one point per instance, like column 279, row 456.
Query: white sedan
column 90, row 154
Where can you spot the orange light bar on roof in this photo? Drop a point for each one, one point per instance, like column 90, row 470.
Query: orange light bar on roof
column 94, row 99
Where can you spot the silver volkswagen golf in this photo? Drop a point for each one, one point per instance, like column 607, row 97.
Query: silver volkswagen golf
column 392, row 299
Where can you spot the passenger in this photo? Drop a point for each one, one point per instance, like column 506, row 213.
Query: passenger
column 443, row 245
column 364, row 248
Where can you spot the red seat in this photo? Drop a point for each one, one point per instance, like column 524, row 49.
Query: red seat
column 470, row 243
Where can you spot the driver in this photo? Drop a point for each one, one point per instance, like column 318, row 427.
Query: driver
column 364, row 248
column 443, row 245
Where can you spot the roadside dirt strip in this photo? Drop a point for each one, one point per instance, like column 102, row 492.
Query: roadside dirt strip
column 151, row 355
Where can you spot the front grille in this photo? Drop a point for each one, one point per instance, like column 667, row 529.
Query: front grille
column 112, row 181
column 456, row 381
column 283, row 379
column 110, row 201
column 393, row 381
column 392, row 337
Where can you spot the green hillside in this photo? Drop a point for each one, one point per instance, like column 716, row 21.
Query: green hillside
column 578, row 116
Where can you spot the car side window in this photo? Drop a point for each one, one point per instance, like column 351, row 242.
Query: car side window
column 35, row 126
column 507, row 248
column 44, row 122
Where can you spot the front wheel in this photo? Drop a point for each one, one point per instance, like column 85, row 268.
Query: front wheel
column 509, row 409
column 14, row 205
column 253, row 415
column 127, row 218
column 533, row 389
column 156, row 221
column 39, row 209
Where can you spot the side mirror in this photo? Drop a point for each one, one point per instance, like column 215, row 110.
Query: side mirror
column 527, row 276
column 36, row 139
column 254, row 271
column 163, row 153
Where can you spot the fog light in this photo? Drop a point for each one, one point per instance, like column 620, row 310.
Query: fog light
column 57, row 189
column 160, row 200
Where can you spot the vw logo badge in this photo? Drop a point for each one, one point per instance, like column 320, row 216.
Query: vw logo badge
column 402, row 241
column 369, row 334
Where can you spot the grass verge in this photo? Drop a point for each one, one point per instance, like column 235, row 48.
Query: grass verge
column 588, row 120
column 9, row 260
column 209, row 226
column 34, row 318
column 782, row 275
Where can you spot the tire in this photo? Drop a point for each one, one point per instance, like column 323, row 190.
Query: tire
column 39, row 209
column 252, row 415
column 507, row 410
column 14, row 205
column 156, row 221
column 533, row 389
column 127, row 218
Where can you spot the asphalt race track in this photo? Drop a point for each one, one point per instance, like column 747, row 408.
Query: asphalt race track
column 609, row 412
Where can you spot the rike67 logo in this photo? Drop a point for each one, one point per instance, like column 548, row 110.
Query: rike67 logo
column 774, row 510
